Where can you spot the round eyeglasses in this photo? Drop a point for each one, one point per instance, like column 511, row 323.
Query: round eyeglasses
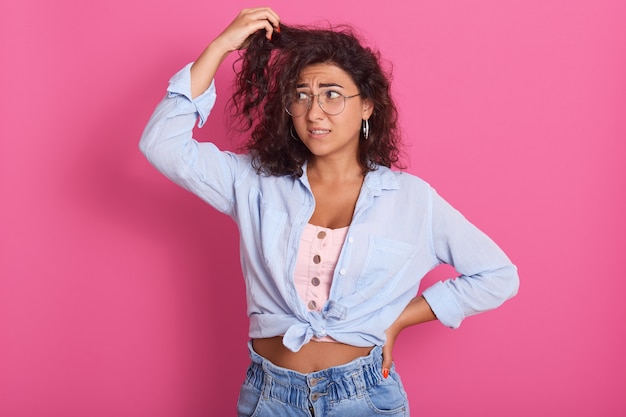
column 331, row 102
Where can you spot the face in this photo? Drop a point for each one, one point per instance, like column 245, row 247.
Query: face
column 331, row 136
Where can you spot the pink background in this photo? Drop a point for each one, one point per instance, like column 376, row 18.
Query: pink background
column 121, row 294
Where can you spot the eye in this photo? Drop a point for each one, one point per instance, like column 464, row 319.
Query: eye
column 301, row 96
column 331, row 95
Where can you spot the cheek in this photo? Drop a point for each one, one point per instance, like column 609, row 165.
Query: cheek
column 299, row 126
column 354, row 122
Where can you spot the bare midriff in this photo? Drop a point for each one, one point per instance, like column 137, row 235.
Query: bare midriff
column 312, row 357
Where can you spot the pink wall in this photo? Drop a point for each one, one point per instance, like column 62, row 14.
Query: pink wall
column 121, row 295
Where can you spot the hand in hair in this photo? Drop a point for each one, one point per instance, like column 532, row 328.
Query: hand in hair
column 247, row 22
column 235, row 36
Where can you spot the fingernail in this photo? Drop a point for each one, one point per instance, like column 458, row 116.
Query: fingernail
column 385, row 373
column 277, row 29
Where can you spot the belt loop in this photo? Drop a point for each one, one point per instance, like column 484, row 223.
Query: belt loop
column 359, row 383
column 267, row 386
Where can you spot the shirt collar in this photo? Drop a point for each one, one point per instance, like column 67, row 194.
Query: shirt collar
column 381, row 178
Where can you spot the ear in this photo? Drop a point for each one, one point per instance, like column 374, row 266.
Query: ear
column 368, row 108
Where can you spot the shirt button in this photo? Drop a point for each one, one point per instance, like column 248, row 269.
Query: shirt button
column 312, row 304
column 317, row 259
column 351, row 239
column 342, row 272
column 315, row 281
column 321, row 235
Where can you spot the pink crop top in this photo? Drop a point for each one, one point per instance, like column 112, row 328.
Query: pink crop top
column 315, row 265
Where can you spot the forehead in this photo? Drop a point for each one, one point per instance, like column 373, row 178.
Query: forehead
column 324, row 73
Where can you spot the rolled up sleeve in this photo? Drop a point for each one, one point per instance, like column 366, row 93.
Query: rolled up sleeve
column 487, row 276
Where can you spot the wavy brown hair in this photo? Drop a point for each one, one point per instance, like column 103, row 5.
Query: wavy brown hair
column 268, row 72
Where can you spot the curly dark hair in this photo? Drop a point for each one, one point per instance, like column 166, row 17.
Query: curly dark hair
column 269, row 70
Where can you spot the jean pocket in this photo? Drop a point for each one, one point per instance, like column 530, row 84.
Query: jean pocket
column 249, row 399
column 388, row 398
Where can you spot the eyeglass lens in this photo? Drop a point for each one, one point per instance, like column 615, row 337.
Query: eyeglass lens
column 330, row 102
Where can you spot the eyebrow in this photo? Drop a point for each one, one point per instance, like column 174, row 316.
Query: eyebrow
column 322, row 85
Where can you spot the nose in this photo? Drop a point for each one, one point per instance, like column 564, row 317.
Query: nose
column 315, row 111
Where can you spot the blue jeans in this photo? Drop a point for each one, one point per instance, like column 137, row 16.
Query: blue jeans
column 354, row 389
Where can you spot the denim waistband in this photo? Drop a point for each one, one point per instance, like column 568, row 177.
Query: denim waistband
column 299, row 390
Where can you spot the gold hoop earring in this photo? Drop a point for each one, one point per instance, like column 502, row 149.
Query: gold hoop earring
column 293, row 134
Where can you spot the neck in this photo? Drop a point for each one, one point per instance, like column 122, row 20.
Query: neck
column 334, row 169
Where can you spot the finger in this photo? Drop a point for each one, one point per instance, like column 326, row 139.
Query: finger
column 269, row 14
column 267, row 19
column 244, row 26
column 387, row 360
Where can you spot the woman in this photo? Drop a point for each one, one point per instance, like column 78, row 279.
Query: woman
column 333, row 242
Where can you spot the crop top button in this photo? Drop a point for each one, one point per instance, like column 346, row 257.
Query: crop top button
column 315, row 281
column 312, row 304
column 317, row 259
column 321, row 235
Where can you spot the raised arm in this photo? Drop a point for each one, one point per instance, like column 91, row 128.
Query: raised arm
column 234, row 37
column 167, row 140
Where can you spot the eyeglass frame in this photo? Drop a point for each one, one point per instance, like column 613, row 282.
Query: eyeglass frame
column 310, row 100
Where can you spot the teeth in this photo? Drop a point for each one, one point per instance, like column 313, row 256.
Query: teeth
column 319, row 132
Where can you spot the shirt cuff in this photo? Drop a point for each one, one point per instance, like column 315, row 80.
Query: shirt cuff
column 180, row 86
column 444, row 305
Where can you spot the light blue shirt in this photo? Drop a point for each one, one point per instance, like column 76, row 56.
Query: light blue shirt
column 401, row 229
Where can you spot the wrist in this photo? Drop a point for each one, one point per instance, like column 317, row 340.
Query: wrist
column 220, row 47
